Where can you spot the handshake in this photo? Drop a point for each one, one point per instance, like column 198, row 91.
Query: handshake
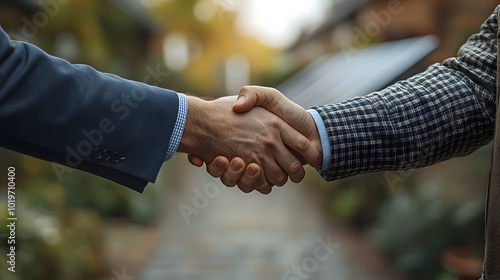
column 267, row 137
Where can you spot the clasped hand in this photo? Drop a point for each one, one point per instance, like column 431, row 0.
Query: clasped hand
column 267, row 137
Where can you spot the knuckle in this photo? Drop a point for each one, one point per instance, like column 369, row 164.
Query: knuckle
column 281, row 180
column 275, row 124
column 269, row 142
column 246, row 189
column 245, row 89
column 295, row 167
column 302, row 144
column 298, row 178
column 265, row 190
column 275, row 91
column 243, row 186
column 227, row 182
column 215, row 174
column 262, row 188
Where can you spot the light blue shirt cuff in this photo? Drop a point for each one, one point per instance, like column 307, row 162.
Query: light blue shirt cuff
column 175, row 139
column 325, row 142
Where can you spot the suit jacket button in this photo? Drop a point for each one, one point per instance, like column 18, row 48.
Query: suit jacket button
column 115, row 158
column 97, row 155
column 106, row 155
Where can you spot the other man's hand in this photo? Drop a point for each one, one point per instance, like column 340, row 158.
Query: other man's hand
column 294, row 115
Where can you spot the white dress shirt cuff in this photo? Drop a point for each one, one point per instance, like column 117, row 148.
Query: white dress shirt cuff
column 179, row 127
column 325, row 142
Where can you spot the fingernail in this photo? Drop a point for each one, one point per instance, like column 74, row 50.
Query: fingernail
column 220, row 164
column 235, row 166
column 252, row 171
column 240, row 100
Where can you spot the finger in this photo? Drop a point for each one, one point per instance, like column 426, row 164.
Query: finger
column 273, row 172
column 282, row 155
column 289, row 163
column 265, row 189
column 250, row 177
column 299, row 157
column 251, row 96
column 195, row 160
column 302, row 146
column 246, row 101
column 218, row 166
column 294, row 115
column 261, row 184
column 233, row 174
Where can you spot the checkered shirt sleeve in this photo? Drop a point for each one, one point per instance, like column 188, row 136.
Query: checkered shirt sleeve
column 444, row 112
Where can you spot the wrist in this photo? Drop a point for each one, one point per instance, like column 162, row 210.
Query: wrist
column 321, row 137
column 195, row 126
column 314, row 135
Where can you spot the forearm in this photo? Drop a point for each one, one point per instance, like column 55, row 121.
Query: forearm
column 444, row 112
column 61, row 112
column 406, row 126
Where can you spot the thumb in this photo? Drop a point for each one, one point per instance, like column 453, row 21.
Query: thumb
column 251, row 96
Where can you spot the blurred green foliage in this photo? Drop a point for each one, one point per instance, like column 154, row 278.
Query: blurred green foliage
column 442, row 208
column 59, row 227
column 414, row 216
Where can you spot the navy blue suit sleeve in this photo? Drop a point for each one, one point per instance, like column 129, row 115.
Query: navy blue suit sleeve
column 76, row 116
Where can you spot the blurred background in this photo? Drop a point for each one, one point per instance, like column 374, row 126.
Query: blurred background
column 419, row 224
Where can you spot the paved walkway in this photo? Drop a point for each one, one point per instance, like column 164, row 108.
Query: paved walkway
column 222, row 233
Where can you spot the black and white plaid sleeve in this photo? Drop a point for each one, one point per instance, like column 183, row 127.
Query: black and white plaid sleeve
column 444, row 112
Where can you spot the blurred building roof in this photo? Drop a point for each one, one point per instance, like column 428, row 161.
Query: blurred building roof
column 341, row 11
column 335, row 77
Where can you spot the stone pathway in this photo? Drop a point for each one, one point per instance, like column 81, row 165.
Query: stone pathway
column 222, row 233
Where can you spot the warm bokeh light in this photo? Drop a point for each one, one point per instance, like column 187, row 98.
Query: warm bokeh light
column 278, row 23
